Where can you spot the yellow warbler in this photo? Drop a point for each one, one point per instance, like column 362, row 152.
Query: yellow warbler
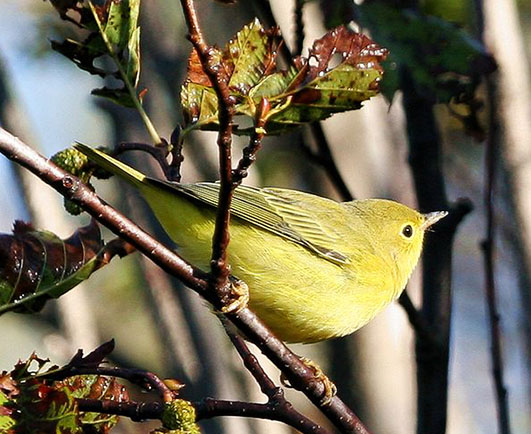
column 316, row 268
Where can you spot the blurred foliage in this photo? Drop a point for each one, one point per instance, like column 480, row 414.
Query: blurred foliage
column 442, row 59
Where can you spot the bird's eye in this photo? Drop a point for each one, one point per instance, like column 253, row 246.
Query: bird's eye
column 407, row 231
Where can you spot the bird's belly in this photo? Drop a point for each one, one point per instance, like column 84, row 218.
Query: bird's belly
column 301, row 296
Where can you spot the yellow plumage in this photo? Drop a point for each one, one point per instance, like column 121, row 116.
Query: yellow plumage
column 316, row 268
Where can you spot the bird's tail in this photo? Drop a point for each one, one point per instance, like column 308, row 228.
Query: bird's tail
column 112, row 165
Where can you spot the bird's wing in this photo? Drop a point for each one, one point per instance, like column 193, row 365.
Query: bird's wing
column 282, row 212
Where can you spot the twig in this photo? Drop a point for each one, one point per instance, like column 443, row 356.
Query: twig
column 297, row 373
column 255, row 143
column 417, row 321
column 277, row 401
column 491, row 146
column 328, row 163
column 136, row 411
column 176, row 154
column 159, row 153
column 299, row 27
column 267, row 386
column 205, row 409
column 220, row 240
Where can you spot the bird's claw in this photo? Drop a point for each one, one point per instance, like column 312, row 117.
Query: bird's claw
column 241, row 291
column 330, row 389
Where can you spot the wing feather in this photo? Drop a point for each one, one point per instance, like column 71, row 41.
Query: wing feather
column 282, row 212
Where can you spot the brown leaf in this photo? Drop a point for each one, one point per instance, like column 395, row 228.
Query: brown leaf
column 31, row 260
column 356, row 49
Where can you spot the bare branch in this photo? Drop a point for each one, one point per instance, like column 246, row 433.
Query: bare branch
column 493, row 144
column 220, row 241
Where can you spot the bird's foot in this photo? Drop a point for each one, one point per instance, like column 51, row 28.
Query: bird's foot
column 330, row 389
column 240, row 291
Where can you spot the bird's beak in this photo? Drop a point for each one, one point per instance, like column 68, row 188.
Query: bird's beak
column 431, row 218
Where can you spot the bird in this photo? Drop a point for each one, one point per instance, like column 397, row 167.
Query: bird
column 316, row 268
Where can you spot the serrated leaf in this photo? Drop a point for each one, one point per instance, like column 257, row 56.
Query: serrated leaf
column 312, row 89
column 38, row 265
column 100, row 388
column 202, row 104
column 121, row 21
column 41, row 408
column 119, row 96
column 249, row 55
column 31, row 401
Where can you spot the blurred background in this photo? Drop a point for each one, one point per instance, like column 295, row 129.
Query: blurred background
column 45, row 100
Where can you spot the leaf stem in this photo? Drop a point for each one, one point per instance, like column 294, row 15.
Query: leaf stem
column 155, row 137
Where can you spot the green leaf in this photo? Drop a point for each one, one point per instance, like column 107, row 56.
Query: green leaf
column 38, row 265
column 342, row 71
column 248, row 56
column 121, row 22
column 113, row 30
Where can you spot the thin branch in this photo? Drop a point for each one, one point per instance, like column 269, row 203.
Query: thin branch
column 417, row 321
column 328, row 163
column 267, row 386
column 255, row 143
column 159, row 153
column 136, row 411
column 491, row 146
column 220, row 240
column 205, row 409
column 425, row 158
column 176, row 154
column 297, row 373
column 277, row 401
column 208, row 408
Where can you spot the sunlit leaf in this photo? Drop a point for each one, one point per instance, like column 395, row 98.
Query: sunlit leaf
column 113, row 30
column 38, row 265
column 342, row 71
column 31, row 401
